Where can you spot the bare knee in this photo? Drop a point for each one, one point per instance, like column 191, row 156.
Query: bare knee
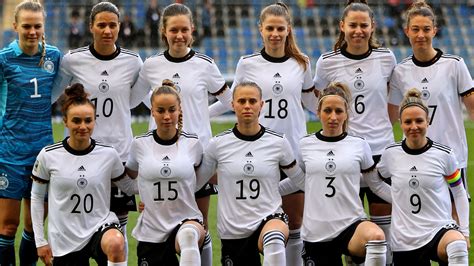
column 113, row 245
column 9, row 228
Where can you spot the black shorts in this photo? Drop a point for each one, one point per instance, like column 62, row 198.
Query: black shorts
column 206, row 191
column 163, row 253
column 93, row 250
column 422, row 256
column 121, row 202
column 365, row 191
column 244, row 251
column 329, row 253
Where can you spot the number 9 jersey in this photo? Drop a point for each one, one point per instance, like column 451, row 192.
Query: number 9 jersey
column 25, row 92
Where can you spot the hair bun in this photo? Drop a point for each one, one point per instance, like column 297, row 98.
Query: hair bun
column 357, row 1
column 168, row 82
column 413, row 92
column 76, row 90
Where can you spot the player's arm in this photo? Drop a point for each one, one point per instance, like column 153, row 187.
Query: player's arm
column 377, row 185
column 38, row 193
column 126, row 184
column 309, row 99
column 141, row 89
column 468, row 99
column 460, row 201
column 295, row 180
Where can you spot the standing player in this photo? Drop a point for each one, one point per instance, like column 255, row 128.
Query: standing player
column 330, row 158
column 195, row 75
column 421, row 171
column 164, row 160
column 284, row 74
column 248, row 159
column 28, row 67
column 76, row 173
column 108, row 72
column 358, row 60
column 444, row 93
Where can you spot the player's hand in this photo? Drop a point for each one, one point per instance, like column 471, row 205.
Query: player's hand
column 45, row 255
column 468, row 241
column 141, row 206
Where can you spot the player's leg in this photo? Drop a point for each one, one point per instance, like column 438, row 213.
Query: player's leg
column 203, row 199
column 272, row 239
column 452, row 248
column 109, row 242
column 189, row 238
column 9, row 221
column 121, row 204
column 368, row 241
column 241, row 251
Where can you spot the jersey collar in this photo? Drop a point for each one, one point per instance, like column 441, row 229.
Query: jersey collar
column 417, row 151
column 76, row 152
column 164, row 142
column 345, row 53
column 435, row 59
column 104, row 57
column 330, row 139
column 248, row 138
column 16, row 48
column 179, row 59
column 273, row 59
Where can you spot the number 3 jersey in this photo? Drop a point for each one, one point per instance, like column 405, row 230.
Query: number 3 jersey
column 332, row 182
column 109, row 81
column 367, row 76
column 25, row 108
column 248, row 172
column 443, row 82
column 166, row 182
column 78, row 192
column 421, row 204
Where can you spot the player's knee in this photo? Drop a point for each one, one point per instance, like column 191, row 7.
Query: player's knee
column 113, row 244
column 9, row 228
column 187, row 236
column 377, row 234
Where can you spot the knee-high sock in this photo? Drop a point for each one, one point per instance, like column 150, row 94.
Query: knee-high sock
column 206, row 253
column 28, row 253
column 274, row 249
column 7, row 250
column 294, row 249
column 384, row 223
column 123, row 220
column 375, row 253
column 123, row 263
column 457, row 253
column 188, row 237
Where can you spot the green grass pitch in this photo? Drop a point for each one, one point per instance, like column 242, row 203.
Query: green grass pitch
column 219, row 127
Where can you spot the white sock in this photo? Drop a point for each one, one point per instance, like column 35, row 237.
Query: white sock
column 294, row 249
column 375, row 252
column 123, row 263
column 206, row 252
column 457, row 253
column 123, row 220
column 384, row 222
column 188, row 237
column 274, row 249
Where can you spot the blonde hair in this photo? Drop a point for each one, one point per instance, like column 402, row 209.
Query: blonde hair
column 362, row 6
column 337, row 89
column 291, row 48
column 168, row 87
column 34, row 6
column 413, row 98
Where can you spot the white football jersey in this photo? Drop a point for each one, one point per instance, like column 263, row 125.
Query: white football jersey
column 166, row 182
column 78, row 192
column 283, row 81
column 248, row 172
column 421, row 204
column 109, row 81
column 194, row 76
column 442, row 82
column 367, row 77
column 333, row 167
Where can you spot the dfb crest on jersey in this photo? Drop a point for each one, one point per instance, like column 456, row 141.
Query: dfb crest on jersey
column 48, row 66
column 425, row 95
column 277, row 89
column 330, row 166
column 165, row 171
column 359, row 84
column 3, row 181
column 414, row 183
column 248, row 168
column 310, row 262
column 228, row 262
column 103, row 86
column 144, row 263
column 82, row 182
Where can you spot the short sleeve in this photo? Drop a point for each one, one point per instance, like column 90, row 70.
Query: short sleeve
column 382, row 165
column 367, row 160
column 465, row 82
column 117, row 165
column 287, row 155
column 320, row 75
column 214, row 79
column 395, row 96
column 40, row 168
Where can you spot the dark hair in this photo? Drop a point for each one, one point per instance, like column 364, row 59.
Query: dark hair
column 103, row 7
column 291, row 48
column 247, row 84
column 168, row 87
column 419, row 8
column 172, row 10
column 34, row 6
column 74, row 95
column 413, row 98
column 336, row 89
column 357, row 5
